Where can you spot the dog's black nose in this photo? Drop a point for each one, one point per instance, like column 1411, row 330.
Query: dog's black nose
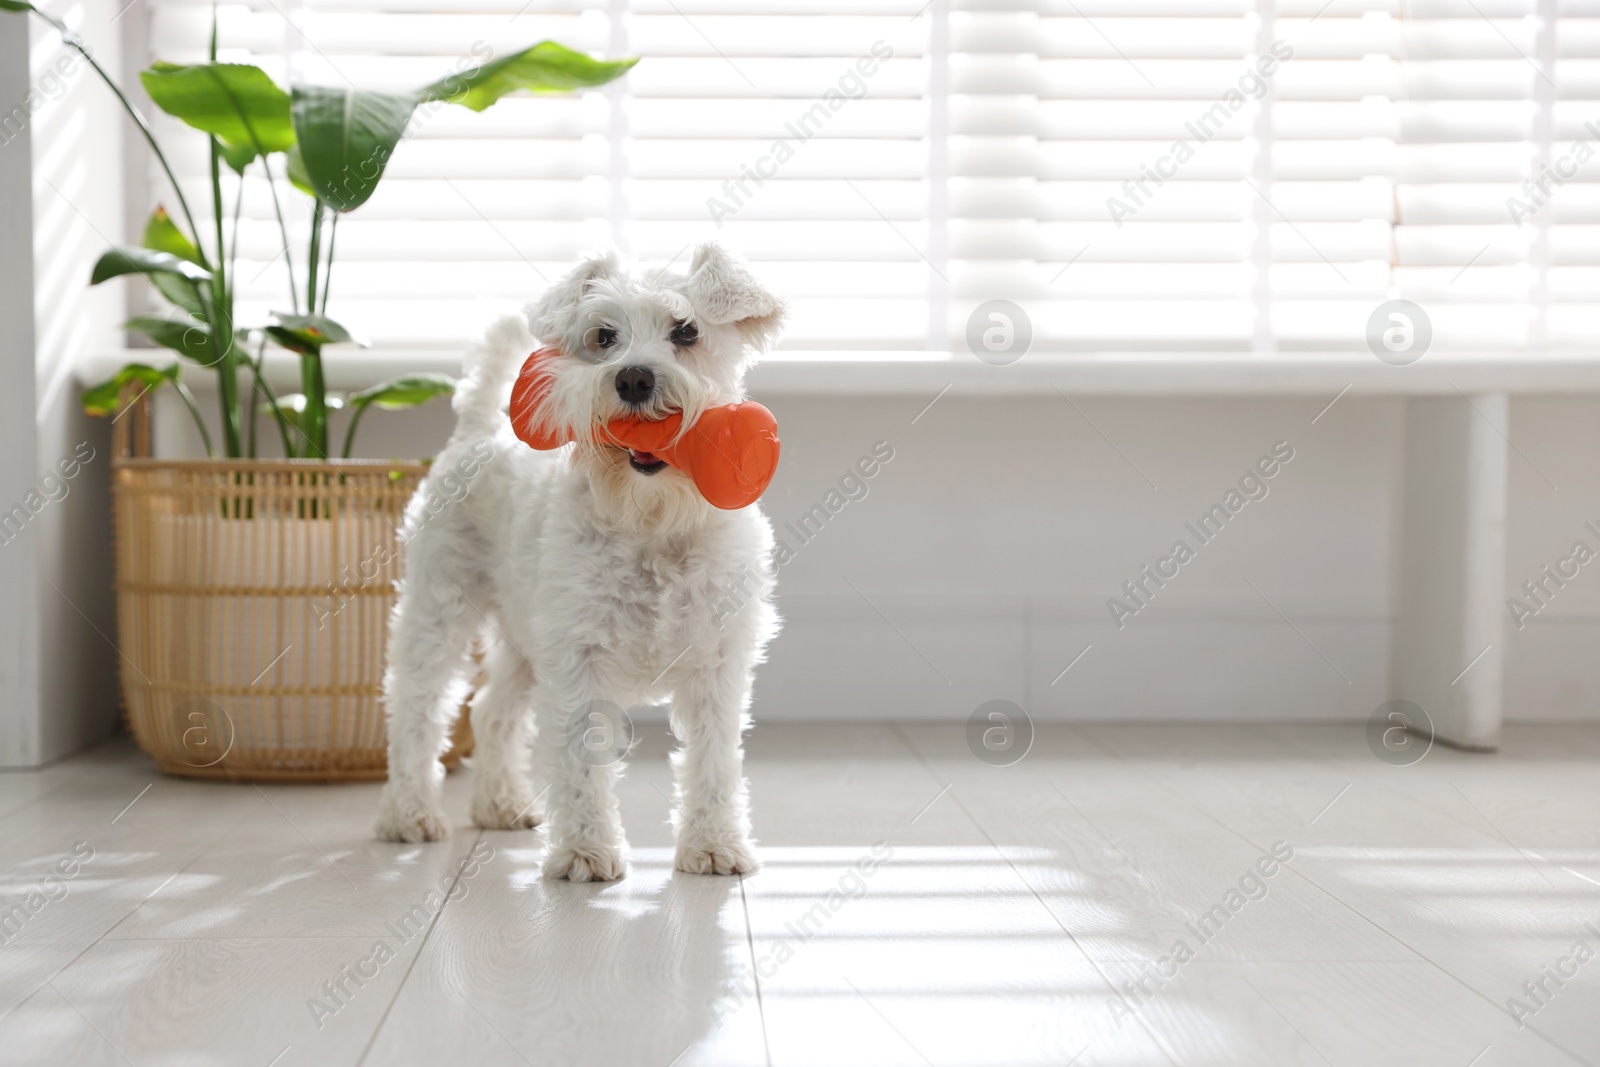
column 635, row 384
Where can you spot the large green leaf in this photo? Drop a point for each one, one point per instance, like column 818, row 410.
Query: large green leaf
column 547, row 67
column 106, row 398
column 308, row 333
column 161, row 234
column 124, row 259
column 396, row 394
column 407, row 391
column 14, row 5
column 346, row 137
column 235, row 101
column 237, row 157
column 191, row 338
column 179, row 292
column 295, row 169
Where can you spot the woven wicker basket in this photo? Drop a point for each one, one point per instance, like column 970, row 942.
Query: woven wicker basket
column 253, row 599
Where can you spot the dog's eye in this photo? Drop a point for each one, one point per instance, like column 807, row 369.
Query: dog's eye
column 684, row 334
column 605, row 337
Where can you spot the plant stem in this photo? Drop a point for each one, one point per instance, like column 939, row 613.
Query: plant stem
column 71, row 40
column 314, row 420
column 233, row 238
column 356, row 412
column 327, row 271
column 255, row 403
column 258, row 369
column 222, row 299
column 214, row 314
column 313, row 255
column 255, row 393
column 283, row 230
column 220, row 274
column 199, row 420
column 222, row 320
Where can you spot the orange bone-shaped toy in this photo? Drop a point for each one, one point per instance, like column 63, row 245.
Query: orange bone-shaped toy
column 730, row 453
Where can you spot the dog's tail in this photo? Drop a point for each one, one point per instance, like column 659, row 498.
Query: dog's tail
column 487, row 372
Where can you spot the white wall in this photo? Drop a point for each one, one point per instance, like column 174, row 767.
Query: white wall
column 997, row 533
column 1552, row 670
column 1002, row 527
column 63, row 204
column 988, row 546
column 19, row 680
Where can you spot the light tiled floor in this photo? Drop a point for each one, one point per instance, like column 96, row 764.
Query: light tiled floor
column 917, row 907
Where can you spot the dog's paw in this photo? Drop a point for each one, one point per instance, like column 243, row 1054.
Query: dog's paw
column 726, row 857
column 409, row 819
column 517, row 810
column 585, row 863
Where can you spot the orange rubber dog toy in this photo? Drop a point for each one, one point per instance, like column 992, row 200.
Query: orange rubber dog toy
column 730, row 454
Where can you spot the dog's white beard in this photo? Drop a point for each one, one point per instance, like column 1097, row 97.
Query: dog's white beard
column 665, row 504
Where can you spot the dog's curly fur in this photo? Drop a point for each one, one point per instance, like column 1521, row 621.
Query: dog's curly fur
column 587, row 577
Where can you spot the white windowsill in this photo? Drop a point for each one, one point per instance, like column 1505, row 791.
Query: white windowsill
column 1110, row 373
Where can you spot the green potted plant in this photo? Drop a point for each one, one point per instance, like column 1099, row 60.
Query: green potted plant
column 253, row 593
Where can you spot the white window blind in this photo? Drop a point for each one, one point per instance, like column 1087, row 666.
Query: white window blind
column 1210, row 175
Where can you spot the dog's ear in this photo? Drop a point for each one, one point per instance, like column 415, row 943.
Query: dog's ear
column 723, row 290
column 551, row 318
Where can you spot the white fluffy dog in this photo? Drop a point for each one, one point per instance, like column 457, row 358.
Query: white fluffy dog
column 596, row 577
